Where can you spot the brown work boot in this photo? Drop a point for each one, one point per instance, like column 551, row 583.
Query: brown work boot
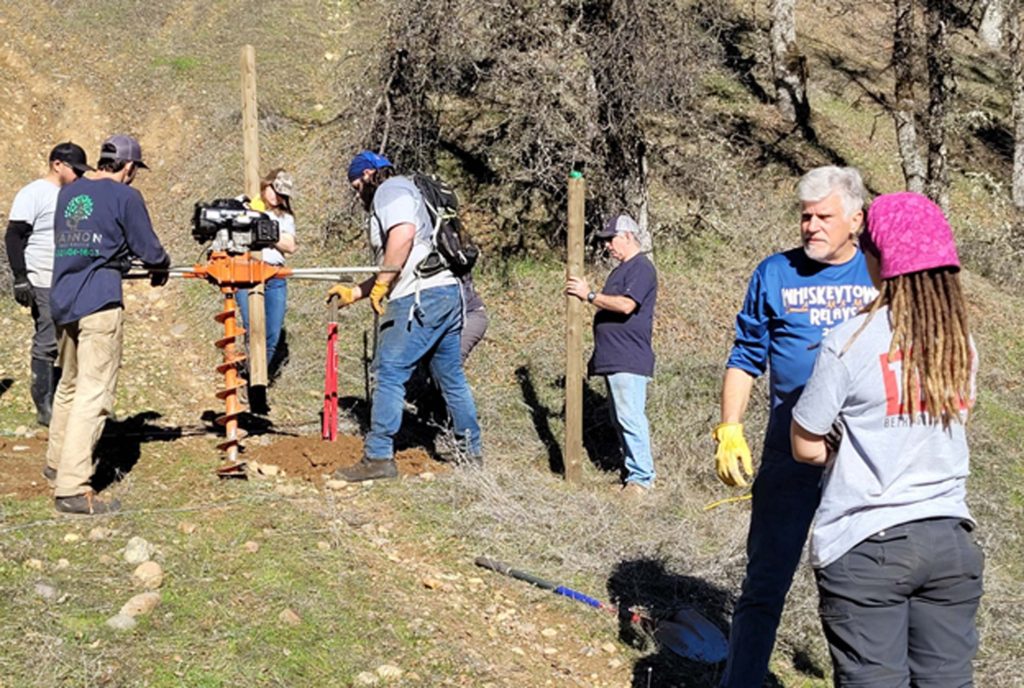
column 632, row 492
column 85, row 505
column 368, row 469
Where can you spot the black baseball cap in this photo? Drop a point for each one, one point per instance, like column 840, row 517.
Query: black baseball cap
column 72, row 155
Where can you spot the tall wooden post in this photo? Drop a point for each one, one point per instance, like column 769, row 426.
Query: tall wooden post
column 251, row 147
column 574, row 335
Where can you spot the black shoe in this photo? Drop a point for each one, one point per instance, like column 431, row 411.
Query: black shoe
column 368, row 469
column 85, row 505
column 42, row 389
column 50, row 474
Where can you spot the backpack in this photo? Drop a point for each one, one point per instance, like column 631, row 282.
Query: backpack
column 451, row 248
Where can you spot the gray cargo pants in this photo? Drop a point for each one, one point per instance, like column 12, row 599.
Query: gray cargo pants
column 898, row 609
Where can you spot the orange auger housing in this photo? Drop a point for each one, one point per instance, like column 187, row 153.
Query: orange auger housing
column 231, row 273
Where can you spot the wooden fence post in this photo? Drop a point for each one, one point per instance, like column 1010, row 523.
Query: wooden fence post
column 251, row 146
column 574, row 334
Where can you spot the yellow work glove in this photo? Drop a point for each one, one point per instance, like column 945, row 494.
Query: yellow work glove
column 732, row 453
column 377, row 294
column 345, row 294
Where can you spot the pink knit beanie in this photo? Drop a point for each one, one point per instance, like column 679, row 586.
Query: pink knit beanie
column 910, row 234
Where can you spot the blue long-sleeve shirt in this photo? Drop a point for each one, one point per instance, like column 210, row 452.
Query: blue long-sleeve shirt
column 792, row 302
column 96, row 222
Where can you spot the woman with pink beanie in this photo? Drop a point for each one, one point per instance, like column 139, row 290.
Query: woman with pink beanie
column 899, row 574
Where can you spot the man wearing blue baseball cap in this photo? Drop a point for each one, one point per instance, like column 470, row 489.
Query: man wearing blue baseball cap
column 100, row 224
column 421, row 320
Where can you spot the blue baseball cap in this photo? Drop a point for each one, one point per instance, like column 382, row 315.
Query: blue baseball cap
column 366, row 160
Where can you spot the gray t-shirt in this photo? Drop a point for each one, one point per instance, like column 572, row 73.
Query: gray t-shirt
column 886, row 471
column 35, row 204
column 398, row 201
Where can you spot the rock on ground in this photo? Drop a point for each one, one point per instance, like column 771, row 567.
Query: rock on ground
column 141, row 604
column 149, row 575
column 122, row 622
column 137, row 550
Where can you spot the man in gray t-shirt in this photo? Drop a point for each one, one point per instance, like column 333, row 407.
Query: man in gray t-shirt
column 29, row 244
column 422, row 320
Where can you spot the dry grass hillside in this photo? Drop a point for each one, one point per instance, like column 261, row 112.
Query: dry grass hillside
column 281, row 582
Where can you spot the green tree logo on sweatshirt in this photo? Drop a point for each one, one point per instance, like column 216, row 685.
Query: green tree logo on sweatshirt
column 79, row 208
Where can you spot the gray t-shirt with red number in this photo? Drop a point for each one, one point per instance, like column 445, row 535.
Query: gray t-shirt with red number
column 887, row 470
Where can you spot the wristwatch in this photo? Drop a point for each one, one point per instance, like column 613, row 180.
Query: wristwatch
column 591, row 296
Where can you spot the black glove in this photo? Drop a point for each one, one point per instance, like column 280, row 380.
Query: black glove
column 23, row 292
column 159, row 275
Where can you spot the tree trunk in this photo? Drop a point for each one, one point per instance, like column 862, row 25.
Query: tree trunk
column 941, row 89
column 1017, row 65
column 905, row 110
column 789, row 66
column 990, row 30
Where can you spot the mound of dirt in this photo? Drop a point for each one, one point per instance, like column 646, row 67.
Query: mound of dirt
column 21, row 468
column 311, row 458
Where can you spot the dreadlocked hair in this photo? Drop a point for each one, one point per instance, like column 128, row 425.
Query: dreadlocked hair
column 929, row 322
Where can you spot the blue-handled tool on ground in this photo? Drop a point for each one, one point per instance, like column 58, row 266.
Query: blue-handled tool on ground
column 687, row 632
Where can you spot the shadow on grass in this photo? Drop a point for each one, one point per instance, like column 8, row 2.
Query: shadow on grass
column 541, row 416
column 6, row 384
column 647, row 584
column 120, row 445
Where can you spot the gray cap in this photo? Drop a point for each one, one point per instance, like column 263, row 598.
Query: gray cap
column 122, row 147
column 619, row 224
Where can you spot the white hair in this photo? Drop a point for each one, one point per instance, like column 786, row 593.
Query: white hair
column 821, row 182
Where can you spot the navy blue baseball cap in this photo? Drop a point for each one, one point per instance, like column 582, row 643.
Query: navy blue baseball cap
column 366, row 160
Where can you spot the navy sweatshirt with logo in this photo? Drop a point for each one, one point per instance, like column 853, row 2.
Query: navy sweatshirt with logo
column 96, row 223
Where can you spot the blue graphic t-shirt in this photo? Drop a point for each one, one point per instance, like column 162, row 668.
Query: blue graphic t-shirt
column 622, row 343
column 792, row 302
column 97, row 221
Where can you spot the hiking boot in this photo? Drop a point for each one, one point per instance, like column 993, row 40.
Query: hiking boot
column 50, row 474
column 367, row 469
column 85, row 505
column 633, row 492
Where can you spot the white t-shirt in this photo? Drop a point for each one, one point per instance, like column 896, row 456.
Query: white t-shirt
column 286, row 225
column 398, row 201
column 886, row 471
column 35, row 204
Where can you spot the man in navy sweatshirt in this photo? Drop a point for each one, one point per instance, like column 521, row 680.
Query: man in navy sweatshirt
column 793, row 300
column 101, row 223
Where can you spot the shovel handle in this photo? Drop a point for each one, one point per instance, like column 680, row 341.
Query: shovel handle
column 506, row 570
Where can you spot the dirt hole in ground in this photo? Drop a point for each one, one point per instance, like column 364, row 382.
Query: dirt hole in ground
column 311, row 458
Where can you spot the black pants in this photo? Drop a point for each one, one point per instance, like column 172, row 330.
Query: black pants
column 898, row 609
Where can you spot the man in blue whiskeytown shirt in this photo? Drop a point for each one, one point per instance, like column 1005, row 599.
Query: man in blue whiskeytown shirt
column 100, row 224
column 793, row 300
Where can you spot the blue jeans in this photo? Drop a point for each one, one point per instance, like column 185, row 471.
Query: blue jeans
column 785, row 497
column 628, row 396
column 898, row 609
column 275, row 303
column 409, row 334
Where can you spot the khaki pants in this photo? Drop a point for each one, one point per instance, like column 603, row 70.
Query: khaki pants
column 90, row 354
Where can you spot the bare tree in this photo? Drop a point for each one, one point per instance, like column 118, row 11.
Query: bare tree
column 941, row 90
column 904, row 112
column 1016, row 48
column 789, row 65
column 990, row 29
